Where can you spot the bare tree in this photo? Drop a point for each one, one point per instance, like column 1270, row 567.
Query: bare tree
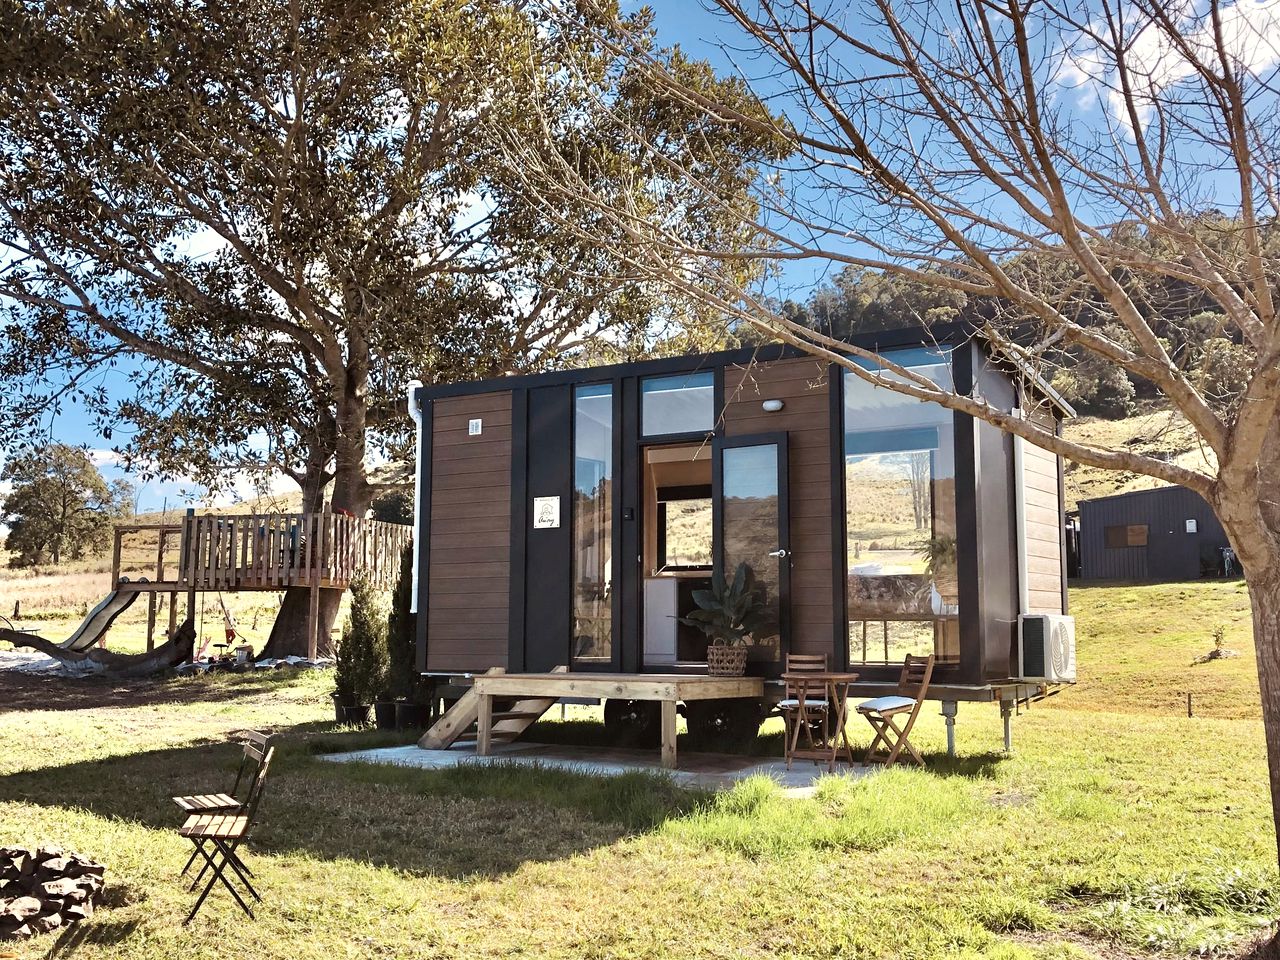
column 1052, row 161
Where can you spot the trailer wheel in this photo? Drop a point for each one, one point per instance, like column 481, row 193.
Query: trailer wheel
column 633, row 723
column 723, row 726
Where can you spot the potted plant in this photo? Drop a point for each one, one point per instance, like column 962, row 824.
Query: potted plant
column 940, row 566
column 361, row 663
column 346, row 705
column 729, row 614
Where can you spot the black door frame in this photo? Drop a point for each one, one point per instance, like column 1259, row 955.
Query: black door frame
column 779, row 440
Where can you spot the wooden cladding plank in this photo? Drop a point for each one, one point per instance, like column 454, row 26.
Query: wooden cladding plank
column 486, row 485
column 1044, row 601
column 496, row 400
column 492, row 629
column 469, row 569
column 457, row 443
column 470, row 538
column 801, row 385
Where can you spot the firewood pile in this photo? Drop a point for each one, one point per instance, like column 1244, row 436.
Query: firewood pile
column 42, row 889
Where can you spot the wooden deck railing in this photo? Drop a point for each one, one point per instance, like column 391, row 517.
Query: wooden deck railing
column 263, row 552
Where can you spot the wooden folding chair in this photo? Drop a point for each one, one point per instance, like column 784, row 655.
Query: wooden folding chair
column 217, row 838
column 255, row 750
column 801, row 709
column 913, row 683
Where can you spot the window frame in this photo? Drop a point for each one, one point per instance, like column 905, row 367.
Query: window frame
column 1130, row 532
column 657, row 438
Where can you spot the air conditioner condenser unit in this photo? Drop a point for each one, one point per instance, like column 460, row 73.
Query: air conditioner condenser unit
column 1047, row 648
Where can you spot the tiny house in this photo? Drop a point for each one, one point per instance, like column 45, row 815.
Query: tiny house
column 566, row 519
column 1166, row 533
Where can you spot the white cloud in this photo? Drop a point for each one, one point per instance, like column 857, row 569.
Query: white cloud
column 248, row 485
column 104, row 458
column 1156, row 63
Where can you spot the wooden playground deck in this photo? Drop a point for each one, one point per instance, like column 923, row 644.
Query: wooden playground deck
column 269, row 552
column 231, row 552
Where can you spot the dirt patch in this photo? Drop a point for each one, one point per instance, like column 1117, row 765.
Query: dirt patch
column 1103, row 949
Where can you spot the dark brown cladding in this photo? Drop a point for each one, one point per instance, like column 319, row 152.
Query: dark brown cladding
column 470, row 568
column 801, row 385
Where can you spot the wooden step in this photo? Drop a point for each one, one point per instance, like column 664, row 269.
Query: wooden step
column 455, row 721
column 514, row 719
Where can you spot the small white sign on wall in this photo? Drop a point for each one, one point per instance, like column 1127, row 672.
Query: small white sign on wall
column 546, row 513
column 475, row 427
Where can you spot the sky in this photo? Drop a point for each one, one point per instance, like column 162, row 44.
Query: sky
column 686, row 23
column 699, row 33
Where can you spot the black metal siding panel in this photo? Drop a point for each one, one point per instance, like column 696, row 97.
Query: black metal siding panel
column 997, row 532
column 548, row 595
column 968, row 533
column 1171, row 553
column 422, row 534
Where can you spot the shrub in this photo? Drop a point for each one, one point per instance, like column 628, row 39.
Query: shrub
column 402, row 678
column 361, row 661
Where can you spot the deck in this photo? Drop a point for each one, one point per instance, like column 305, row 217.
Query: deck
column 267, row 552
column 230, row 552
column 666, row 688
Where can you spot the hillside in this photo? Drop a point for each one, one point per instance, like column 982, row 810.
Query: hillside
column 1159, row 434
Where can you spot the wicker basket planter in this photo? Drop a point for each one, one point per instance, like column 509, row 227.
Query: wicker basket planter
column 726, row 661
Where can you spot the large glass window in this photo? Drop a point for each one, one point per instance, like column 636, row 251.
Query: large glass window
column 681, row 404
column 752, row 521
column 900, row 500
column 593, row 525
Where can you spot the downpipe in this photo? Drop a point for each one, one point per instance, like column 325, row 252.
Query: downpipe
column 415, row 414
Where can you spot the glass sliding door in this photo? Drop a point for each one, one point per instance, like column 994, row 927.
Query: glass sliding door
column 592, row 641
column 752, row 528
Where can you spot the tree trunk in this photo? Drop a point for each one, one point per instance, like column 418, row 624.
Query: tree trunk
column 1264, row 598
column 289, row 634
column 122, row 666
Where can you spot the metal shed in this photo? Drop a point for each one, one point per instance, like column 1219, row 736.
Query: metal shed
column 1168, row 533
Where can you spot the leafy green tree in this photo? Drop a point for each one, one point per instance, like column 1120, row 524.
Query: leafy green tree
column 58, row 506
column 859, row 300
column 272, row 215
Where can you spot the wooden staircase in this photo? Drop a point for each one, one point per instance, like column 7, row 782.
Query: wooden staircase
column 458, row 725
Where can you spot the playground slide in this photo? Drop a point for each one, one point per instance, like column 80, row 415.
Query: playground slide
column 99, row 620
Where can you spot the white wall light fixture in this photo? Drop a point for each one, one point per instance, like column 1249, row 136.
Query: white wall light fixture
column 772, row 406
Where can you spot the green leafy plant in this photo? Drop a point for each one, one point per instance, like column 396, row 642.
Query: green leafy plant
column 360, row 673
column 939, row 557
column 730, row 612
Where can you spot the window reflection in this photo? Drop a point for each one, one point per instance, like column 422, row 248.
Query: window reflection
column 593, row 526
column 751, row 525
column 680, row 404
column 903, row 592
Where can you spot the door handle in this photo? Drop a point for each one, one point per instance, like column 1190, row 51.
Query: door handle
column 781, row 553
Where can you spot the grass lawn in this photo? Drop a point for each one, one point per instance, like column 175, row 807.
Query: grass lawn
column 1119, row 827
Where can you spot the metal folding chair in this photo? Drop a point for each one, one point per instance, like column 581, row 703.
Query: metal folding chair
column 217, row 838
column 913, row 683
